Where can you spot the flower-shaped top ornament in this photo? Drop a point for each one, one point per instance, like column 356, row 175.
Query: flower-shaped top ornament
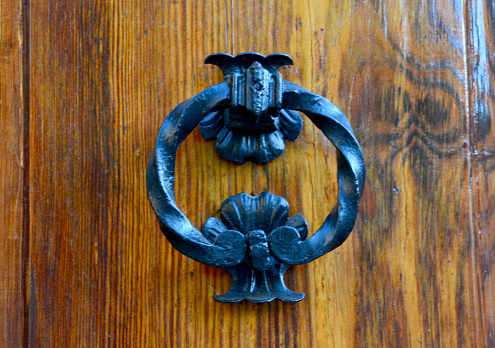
column 259, row 277
column 254, row 127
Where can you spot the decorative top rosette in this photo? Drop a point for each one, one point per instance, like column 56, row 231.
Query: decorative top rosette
column 254, row 127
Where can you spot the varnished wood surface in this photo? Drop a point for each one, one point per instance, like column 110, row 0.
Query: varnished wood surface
column 481, row 24
column 13, row 165
column 85, row 86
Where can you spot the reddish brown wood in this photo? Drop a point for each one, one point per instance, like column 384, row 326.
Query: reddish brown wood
column 13, row 251
column 416, row 80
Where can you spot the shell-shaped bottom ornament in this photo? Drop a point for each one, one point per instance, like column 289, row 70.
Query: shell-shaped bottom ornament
column 260, row 276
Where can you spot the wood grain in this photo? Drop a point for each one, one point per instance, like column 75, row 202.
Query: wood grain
column 13, row 203
column 481, row 79
column 415, row 254
column 416, row 81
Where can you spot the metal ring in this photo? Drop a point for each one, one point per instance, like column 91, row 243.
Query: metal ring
column 257, row 256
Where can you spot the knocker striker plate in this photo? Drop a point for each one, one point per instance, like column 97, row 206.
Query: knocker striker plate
column 250, row 115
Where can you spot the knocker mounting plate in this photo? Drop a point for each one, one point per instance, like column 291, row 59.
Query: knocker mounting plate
column 254, row 126
column 250, row 114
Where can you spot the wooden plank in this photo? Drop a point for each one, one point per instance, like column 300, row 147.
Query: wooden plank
column 480, row 25
column 398, row 71
column 12, row 181
column 73, row 173
column 404, row 87
column 105, row 73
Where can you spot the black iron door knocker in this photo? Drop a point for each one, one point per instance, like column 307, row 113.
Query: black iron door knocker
column 250, row 115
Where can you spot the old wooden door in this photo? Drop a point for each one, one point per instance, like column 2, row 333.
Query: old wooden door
column 84, row 87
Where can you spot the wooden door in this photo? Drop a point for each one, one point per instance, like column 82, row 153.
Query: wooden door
column 84, row 87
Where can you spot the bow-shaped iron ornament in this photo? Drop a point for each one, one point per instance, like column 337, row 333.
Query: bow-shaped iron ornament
column 250, row 115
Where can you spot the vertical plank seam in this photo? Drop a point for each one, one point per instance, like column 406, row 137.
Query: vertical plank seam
column 26, row 80
column 226, row 28
column 315, row 217
column 233, row 26
column 468, row 119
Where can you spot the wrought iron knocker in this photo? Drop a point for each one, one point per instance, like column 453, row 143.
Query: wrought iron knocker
column 250, row 115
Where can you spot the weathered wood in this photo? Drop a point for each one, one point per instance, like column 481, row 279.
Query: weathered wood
column 415, row 80
column 13, row 204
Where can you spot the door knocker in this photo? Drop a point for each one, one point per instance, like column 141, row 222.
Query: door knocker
column 250, row 115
